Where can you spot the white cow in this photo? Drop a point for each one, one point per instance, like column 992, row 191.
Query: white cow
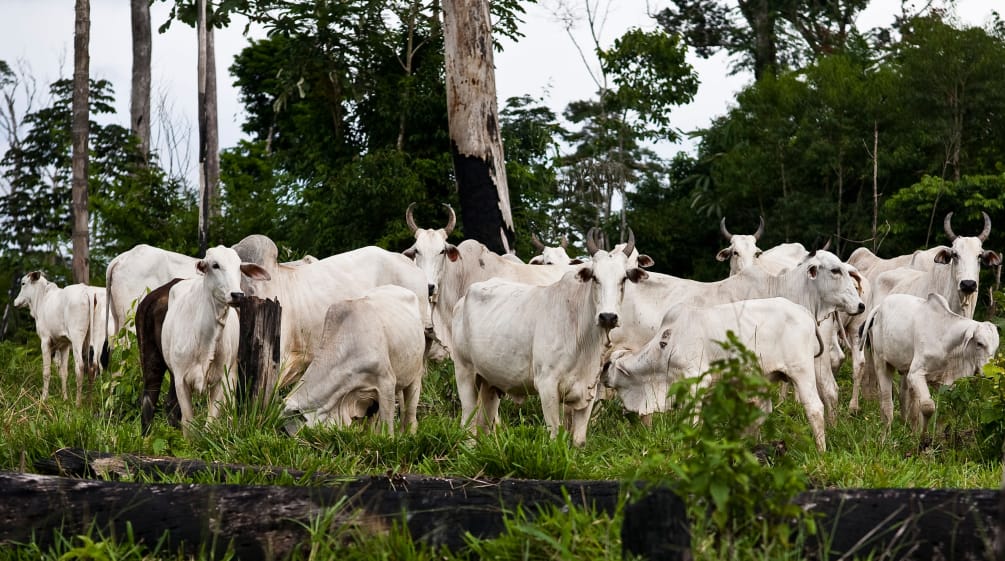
column 743, row 252
column 780, row 332
column 66, row 320
column 371, row 349
column 822, row 283
column 521, row 339
column 551, row 255
column 306, row 291
column 927, row 342
column 199, row 337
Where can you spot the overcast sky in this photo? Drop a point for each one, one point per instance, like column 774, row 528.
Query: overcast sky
column 545, row 63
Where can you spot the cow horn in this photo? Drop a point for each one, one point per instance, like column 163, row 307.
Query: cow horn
column 725, row 232
column 630, row 246
column 827, row 246
column 983, row 236
column 409, row 219
column 536, row 242
column 948, row 225
column 452, row 221
column 591, row 241
column 565, row 242
column 760, row 230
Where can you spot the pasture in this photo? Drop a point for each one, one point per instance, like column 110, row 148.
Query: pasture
column 963, row 453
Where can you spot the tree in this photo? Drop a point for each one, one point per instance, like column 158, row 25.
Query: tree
column 81, row 82
column 139, row 95
column 476, row 143
column 209, row 130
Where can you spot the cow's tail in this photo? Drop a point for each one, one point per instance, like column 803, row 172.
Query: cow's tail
column 87, row 352
column 106, row 348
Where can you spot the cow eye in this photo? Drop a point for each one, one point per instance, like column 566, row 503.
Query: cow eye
column 758, row 253
column 836, row 271
column 216, row 265
column 443, row 251
column 663, row 344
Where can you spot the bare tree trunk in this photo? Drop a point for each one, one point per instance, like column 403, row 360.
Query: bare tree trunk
column 476, row 143
column 875, row 182
column 209, row 166
column 139, row 102
column 79, row 132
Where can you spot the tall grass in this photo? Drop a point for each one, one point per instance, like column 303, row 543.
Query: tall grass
column 860, row 454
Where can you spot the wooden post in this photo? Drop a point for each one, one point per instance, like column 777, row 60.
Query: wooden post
column 258, row 350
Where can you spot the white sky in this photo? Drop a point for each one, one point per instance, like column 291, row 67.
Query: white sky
column 545, row 63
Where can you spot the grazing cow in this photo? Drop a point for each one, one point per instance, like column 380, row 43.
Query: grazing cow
column 150, row 314
column 199, row 336
column 522, row 339
column 371, row 349
column 551, row 255
column 821, row 283
column 65, row 320
column 743, row 252
column 780, row 332
column 306, row 291
column 927, row 342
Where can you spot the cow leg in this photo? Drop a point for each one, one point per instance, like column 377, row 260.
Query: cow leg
column 467, row 391
column 914, row 391
column 488, row 407
column 808, row 395
column 409, row 406
column 63, row 365
column 552, row 407
column 826, row 386
column 580, row 421
column 78, row 369
column 46, row 367
column 185, row 404
column 884, row 379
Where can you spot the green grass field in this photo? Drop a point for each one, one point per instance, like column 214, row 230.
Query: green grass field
column 711, row 461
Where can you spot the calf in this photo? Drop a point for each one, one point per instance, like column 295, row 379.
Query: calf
column 65, row 321
column 924, row 340
column 781, row 333
column 371, row 349
column 200, row 333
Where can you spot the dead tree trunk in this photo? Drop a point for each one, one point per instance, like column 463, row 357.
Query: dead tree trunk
column 139, row 95
column 473, row 115
column 79, row 131
column 258, row 350
column 209, row 143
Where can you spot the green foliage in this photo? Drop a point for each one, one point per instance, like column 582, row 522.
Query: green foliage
column 731, row 487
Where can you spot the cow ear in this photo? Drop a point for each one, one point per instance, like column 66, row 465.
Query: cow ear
column 990, row 259
column 536, row 260
column 410, row 253
column 35, row 275
column 812, row 271
column 724, row 254
column 858, row 280
column 636, row 275
column 201, row 266
column 255, row 272
column 452, row 253
column 584, row 274
column 944, row 256
column 645, row 261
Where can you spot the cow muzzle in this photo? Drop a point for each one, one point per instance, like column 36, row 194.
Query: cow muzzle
column 236, row 298
column 968, row 286
column 607, row 320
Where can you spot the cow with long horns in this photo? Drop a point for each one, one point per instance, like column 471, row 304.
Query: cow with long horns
column 551, row 255
column 521, row 339
column 743, row 252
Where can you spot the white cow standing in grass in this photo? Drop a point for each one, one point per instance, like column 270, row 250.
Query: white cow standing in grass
column 781, row 333
column 928, row 343
column 199, row 337
column 548, row 340
column 66, row 320
column 371, row 349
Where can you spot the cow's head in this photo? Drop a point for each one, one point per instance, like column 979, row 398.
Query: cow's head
column 980, row 344
column 742, row 250
column 31, row 284
column 222, row 269
column 966, row 256
column 607, row 273
column 642, row 378
column 835, row 283
column 555, row 255
column 431, row 250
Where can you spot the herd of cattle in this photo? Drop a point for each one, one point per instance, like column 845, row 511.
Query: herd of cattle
column 357, row 327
